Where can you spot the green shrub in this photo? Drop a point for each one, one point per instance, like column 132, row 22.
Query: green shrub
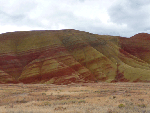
column 142, row 105
column 121, row 105
column 43, row 93
column 47, row 103
column 81, row 101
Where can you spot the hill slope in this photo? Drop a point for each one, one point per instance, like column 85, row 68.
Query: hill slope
column 66, row 56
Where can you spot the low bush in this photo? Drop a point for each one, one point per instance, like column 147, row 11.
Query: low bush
column 121, row 105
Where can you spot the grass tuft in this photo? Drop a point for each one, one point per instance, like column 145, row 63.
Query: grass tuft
column 121, row 105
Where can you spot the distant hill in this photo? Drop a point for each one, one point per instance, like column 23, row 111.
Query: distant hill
column 66, row 56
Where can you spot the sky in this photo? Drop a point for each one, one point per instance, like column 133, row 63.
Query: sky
column 104, row 17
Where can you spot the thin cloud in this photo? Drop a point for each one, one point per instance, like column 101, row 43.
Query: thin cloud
column 110, row 17
column 133, row 13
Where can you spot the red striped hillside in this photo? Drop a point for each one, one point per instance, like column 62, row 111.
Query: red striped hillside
column 72, row 56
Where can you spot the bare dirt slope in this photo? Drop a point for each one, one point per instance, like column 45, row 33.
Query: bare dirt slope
column 72, row 56
column 75, row 98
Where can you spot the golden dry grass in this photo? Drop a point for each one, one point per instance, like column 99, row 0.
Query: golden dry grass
column 75, row 98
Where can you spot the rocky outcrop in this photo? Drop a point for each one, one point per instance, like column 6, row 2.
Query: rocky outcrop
column 66, row 56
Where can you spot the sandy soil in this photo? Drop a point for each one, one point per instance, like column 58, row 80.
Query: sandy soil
column 75, row 98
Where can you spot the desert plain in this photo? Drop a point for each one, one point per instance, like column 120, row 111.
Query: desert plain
column 121, row 97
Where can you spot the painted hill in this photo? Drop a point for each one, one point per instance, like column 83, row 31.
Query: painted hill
column 66, row 56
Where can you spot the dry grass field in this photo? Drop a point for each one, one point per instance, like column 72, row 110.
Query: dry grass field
column 75, row 98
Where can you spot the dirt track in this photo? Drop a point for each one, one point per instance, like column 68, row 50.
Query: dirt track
column 75, row 98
